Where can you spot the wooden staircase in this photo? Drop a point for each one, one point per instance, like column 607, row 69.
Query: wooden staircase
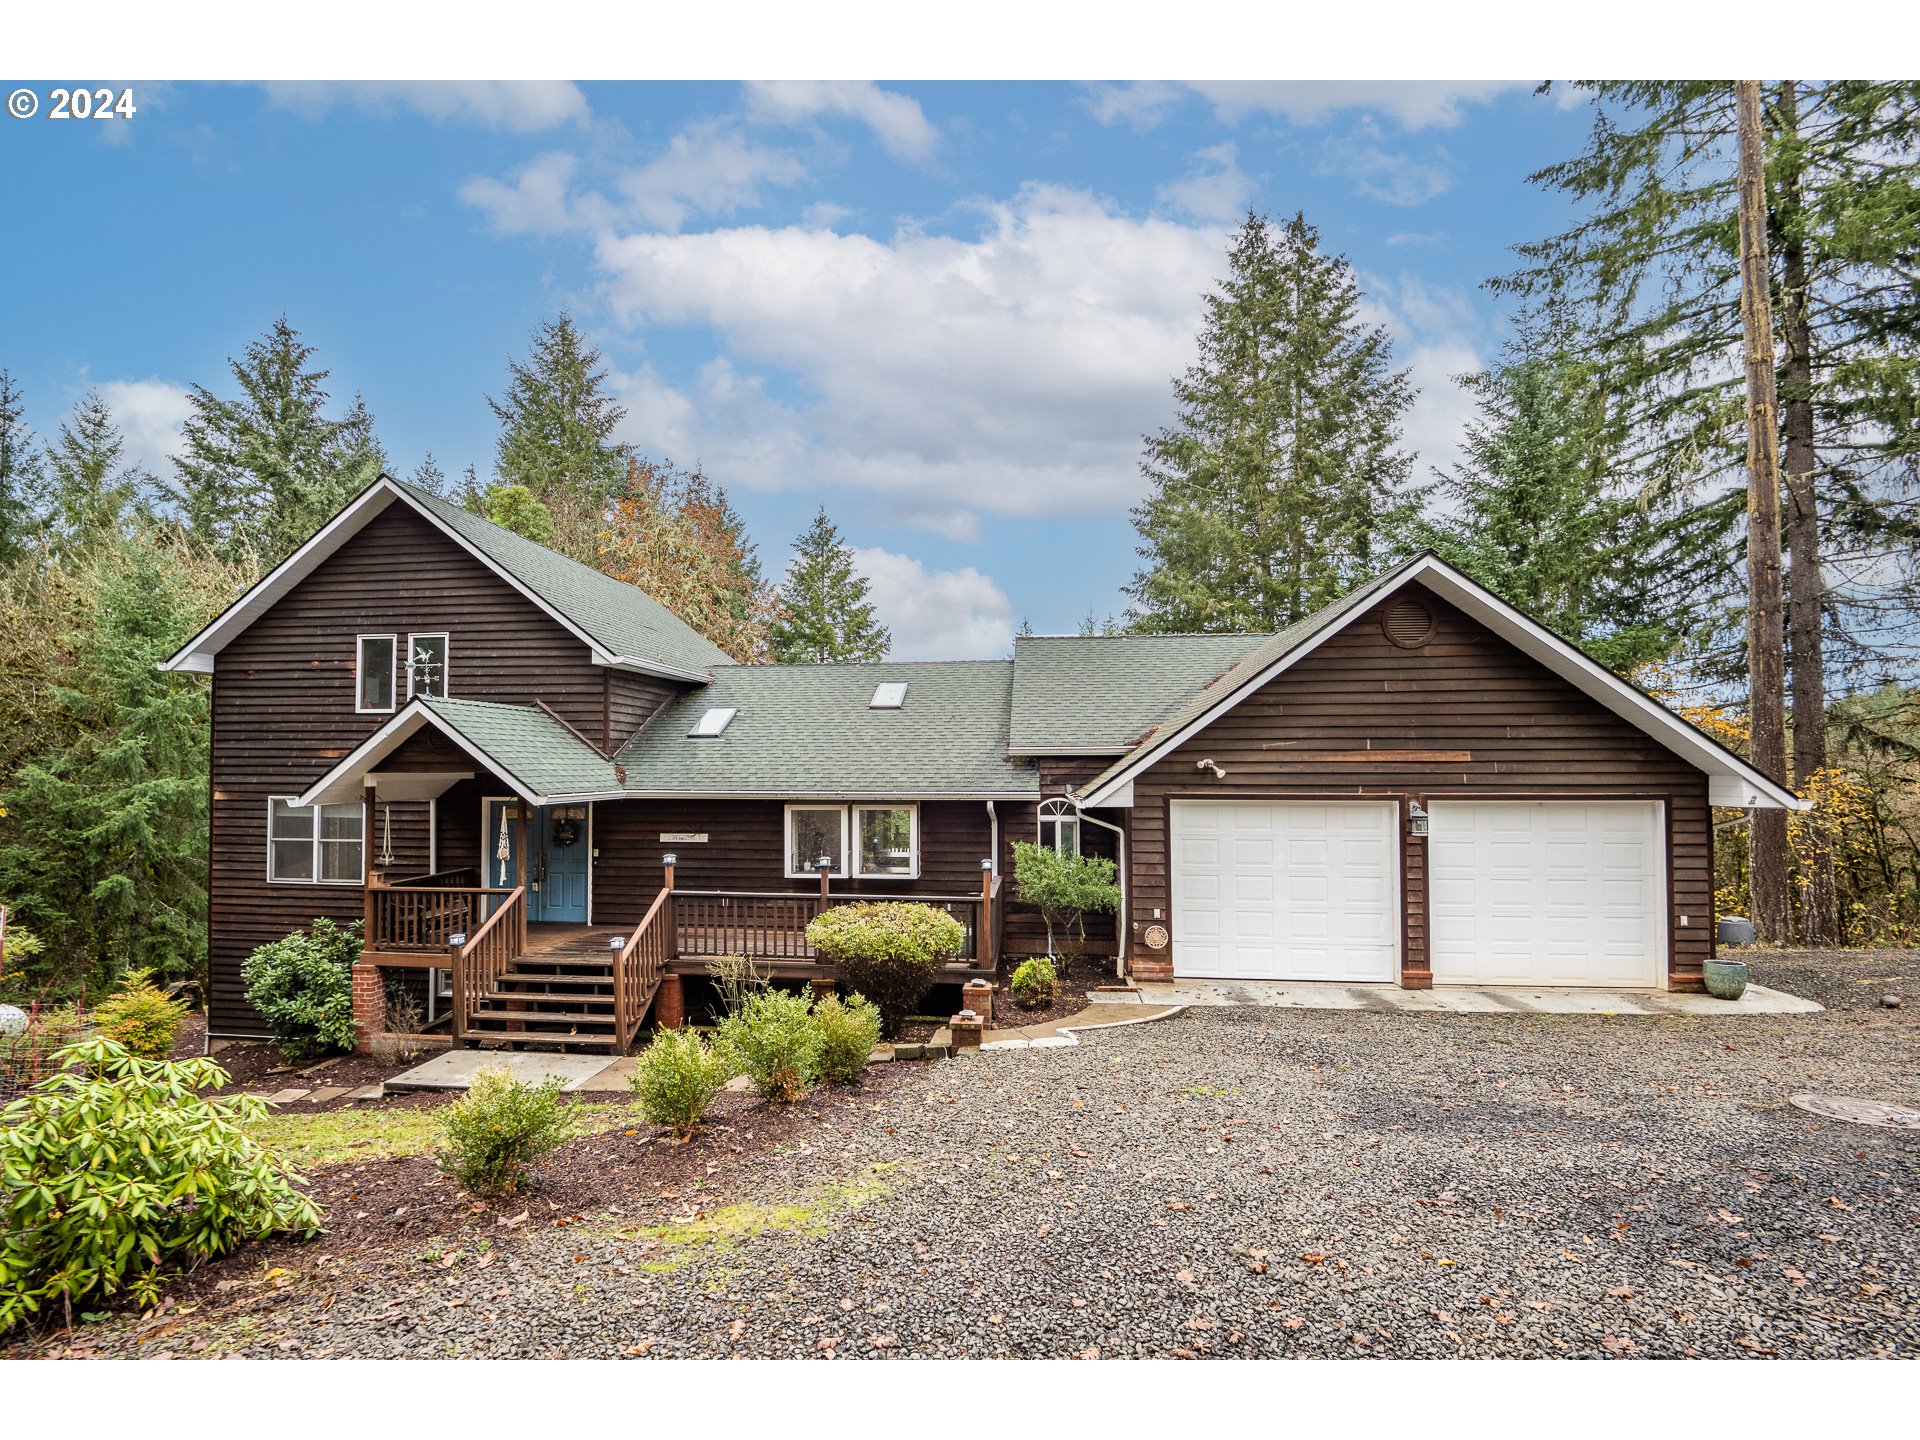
column 559, row 994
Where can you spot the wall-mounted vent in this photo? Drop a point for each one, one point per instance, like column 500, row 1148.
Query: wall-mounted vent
column 713, row 723
column 1408, row 623
column 890, row 695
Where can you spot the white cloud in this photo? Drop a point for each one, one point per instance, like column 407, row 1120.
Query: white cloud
column 709, row 168
column 150, row 414
column 938, row 614
column 1417, row 237
column 1391, row 176
column 1216, row 188
column 896, row 120
column 1413, row 104
column 535, row 203
column 1436, row 333
column 519, row 105
column 1012, row 372
column 824, row 215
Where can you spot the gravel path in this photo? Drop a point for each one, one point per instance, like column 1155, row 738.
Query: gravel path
column 1224, row 1183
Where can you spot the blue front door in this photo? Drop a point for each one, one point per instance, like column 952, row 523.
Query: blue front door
column 558, row 857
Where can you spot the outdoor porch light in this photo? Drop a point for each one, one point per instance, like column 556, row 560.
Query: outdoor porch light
column 456, row 939
column 825, row 862
column 616, row 942
column 987, row 863
column 669, row 859
column 1416, row 818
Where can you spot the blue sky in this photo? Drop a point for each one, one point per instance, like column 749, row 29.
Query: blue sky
column 946, row 311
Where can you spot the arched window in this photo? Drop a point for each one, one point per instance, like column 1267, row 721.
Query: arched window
column 1059, row 827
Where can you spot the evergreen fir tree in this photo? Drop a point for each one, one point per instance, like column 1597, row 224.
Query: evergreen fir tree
column 430, row 477
column 826, row 615
column 556, row 436
column 1283, row 481
column 259, row 473
column 90, row 494
column 22, row 475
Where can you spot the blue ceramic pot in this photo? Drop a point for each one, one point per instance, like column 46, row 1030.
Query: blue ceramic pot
column 1726, row 979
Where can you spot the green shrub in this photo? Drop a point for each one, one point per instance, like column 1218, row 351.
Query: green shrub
column 849, row 1029
column 775, row 1043
column 490, row 1135
column 119, row 1166
column 887, row 950
column 141, row 1016
column 736, row 977
column 677, row 1077
column 303, row 988
column 1065, row 889
column 1035, row 983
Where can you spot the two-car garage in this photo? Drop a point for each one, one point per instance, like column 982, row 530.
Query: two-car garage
column 1547, row 892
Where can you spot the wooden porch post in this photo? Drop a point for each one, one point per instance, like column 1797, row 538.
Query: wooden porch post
column 826, row 868
column 984, row 939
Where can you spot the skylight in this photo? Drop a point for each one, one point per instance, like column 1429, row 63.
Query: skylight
column 713, row 722
column 888, row 696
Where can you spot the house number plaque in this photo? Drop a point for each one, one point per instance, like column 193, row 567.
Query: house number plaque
column 683, row 837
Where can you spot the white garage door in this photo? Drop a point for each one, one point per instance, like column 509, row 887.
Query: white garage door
column 1285, row 891
column 1548, row 893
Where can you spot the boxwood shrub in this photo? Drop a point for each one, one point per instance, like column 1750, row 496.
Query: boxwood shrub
column 302, row 985
column 888, row 950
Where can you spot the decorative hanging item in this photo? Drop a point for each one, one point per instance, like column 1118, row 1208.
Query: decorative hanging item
column 503, row 851
column 566, row 829
column 385, row 858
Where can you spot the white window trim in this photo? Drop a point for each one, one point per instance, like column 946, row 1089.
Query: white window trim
column 393, row 677
column 1060, row 812
column 913, row 841
column 446, row 660
column 812, row 872
column 274, row 879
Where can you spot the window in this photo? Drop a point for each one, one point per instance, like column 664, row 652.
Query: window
column 315, row 844
column 1059, row 828
column 887, row 836
column 814, row 831
column 374, row 674
column 426, row 665
column 888, row 696
column 713, row 723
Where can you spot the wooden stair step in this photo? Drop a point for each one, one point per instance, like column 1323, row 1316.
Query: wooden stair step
column 547, row 1017
column 538, row 1038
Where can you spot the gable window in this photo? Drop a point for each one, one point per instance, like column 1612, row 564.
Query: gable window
column 887, row 840
column 1059, row 828
column 814, row 831
column 426, row 665
column 374, row 674
column 315, row 844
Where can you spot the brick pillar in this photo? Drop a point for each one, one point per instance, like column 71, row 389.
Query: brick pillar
column 670, row 1005
column 369, row 1005
column 967, row 1029
column 822, row 987
column 977, row 996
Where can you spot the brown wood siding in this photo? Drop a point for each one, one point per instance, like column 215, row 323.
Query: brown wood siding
column 283, row 713
column 632, row 700
column 744, row 850
column 1026, row 932
column 1529, row 734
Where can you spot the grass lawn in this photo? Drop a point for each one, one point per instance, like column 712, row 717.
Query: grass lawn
column 345, row 1137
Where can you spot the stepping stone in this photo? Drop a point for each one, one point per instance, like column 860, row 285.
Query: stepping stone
column 368, row 1092
column 738, row 1083
column 326, row 1093
column 286, row 1097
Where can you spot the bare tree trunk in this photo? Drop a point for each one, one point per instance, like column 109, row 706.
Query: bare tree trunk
column 1819, row 924
column 1766, row 643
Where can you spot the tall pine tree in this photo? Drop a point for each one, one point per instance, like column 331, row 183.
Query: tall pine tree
column 826, row 616
column 260, row 472
column 22, row 475
column 90, row 494
column 1282, row 482
column 556, row 435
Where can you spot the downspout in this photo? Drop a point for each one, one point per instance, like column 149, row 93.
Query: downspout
column 993, row 829
column 1122, row 925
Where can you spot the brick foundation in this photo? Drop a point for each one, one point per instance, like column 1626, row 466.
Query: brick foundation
column 977, row 996
column 369, row 1005
column 670, row 1005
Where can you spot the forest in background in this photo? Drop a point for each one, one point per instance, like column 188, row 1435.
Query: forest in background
column 1604, row 489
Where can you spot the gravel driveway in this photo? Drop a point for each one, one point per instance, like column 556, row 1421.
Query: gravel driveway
column 1233, row 1183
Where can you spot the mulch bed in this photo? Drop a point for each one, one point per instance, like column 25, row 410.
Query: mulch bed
column 254, row 1067
column 1075, row 983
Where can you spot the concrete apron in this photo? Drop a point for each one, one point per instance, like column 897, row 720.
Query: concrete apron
column 456, row 1069
column 1470, row 1000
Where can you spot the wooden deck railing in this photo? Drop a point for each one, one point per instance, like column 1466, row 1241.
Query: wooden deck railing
column 410, row 915
column 479, row 963
column 639, row 965
column 772, row 924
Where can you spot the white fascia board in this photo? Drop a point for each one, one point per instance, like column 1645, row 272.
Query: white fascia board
column 1535, row 640
column 197, row 655
column 830, row 797
column 1081, row 751
column 648, row 667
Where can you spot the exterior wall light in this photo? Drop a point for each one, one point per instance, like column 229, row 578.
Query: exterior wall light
column 1416, row 818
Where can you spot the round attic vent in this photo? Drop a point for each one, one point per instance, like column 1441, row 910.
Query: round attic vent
column 1408, row 624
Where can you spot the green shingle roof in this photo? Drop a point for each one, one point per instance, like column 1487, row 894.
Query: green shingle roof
column 529, row 746
column 1103, row 692
column 808, row 730
column 625, row 622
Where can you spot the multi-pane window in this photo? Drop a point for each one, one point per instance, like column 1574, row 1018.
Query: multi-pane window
column 815, row 832
column 1059, row 828
column 886, row 837
column 426, row 665
column 315, row 844
column 374, row 673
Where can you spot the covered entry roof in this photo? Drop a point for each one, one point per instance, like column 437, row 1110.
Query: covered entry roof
column 533, row 752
